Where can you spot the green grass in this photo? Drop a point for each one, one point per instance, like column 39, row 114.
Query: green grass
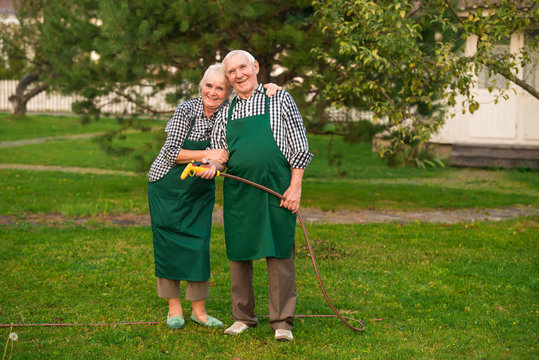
column 35, row 126
column 361, row 181
column 393, row 196
column 425, row 291
column 72, row 194
column 79, row 153
column 361, row 162
column 357, row 161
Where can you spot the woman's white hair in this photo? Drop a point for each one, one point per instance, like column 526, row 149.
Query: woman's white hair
column 215, row 68
column 235, row 52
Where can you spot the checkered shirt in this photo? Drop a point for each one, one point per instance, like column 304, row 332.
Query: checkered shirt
column 285, row 121
column 177, row 129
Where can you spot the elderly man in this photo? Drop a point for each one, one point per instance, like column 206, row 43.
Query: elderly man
column 267, row 144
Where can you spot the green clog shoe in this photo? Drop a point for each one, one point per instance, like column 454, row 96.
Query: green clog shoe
column 175, row 322
column 210, row 321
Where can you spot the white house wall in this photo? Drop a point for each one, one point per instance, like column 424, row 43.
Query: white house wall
column 528, row 109
column 512, row 122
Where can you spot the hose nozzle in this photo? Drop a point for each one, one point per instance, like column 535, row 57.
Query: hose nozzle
column 192, row 168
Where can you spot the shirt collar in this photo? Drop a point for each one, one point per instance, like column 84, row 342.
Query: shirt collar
column 259, row 89
column 199, row 106
column 199, row 109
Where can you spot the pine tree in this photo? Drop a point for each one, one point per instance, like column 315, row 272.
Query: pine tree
column 166, row 44
column 22, row 54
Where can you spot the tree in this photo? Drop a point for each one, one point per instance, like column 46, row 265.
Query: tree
column 402, row 59
column 167, row 45
column 22, row 55
column 129, row 50
column 398, row 59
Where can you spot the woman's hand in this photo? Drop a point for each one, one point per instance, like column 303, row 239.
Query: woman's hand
column 272, row 88
column 219, row 155
column 212, row 167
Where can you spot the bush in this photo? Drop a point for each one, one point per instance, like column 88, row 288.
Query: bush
column 421, row 155
column 362, row 131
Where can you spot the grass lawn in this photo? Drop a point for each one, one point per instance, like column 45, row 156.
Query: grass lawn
column 362, row 181
column 75, row 195
column 424, row 291
column 34, row 126
column 82, row 153
column 71, row 194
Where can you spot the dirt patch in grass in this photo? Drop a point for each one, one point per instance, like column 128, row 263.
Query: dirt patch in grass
column 310, row 215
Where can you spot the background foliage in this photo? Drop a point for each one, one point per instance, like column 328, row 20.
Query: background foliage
column 401, row 60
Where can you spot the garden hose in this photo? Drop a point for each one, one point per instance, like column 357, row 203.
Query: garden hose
column 191, row 169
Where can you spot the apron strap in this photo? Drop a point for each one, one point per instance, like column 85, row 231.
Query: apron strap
column 267, row 101
column 231, row 108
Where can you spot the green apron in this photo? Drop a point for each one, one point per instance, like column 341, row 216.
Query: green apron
column 181, row 214
column 255, row 225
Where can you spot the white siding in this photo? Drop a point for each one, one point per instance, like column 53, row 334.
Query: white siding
column 514, row 121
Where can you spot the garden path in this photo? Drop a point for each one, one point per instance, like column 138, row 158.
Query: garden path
column 5, row 144
column 310, row 215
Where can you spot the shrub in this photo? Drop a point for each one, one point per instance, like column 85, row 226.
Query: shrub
column 421, row 155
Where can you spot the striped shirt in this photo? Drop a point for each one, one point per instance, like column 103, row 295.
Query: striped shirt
column 285, row 121
column 177, row 129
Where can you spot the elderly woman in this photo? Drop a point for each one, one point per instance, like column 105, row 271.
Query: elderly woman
column 181, row 210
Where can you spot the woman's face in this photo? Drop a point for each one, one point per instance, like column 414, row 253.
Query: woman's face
column 215, row 89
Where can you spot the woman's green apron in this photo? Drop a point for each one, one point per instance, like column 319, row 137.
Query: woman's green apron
column 181, row 213
column 255, row 225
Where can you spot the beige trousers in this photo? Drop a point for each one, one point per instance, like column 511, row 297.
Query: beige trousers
column 282, row 292
column 195, row 291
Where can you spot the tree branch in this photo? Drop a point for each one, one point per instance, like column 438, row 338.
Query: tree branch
column 143, row 106
column 523, row 84
column 115, row 19
column 41, row 87
column 453, row 11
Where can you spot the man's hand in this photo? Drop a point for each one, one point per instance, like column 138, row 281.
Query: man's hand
column 292, row 197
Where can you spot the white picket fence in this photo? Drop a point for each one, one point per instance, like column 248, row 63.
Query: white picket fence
column 56, row 103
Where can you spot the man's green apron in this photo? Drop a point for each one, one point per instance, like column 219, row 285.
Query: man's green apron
column 181, row 213
column 255, row 225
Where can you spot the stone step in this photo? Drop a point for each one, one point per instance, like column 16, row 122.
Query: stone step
column 507, row 156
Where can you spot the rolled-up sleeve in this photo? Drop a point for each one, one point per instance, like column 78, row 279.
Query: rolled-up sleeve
column 299, row 156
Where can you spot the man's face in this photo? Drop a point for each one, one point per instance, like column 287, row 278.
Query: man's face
column 241, row 74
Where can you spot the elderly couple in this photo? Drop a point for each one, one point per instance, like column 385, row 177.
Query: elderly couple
column 260, row 136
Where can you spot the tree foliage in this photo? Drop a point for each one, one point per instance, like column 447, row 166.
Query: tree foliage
column 403, row 59
column 21, row 55
column 167, row 45
column 127, row 51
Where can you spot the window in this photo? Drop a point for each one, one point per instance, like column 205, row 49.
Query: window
column 484, row 80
